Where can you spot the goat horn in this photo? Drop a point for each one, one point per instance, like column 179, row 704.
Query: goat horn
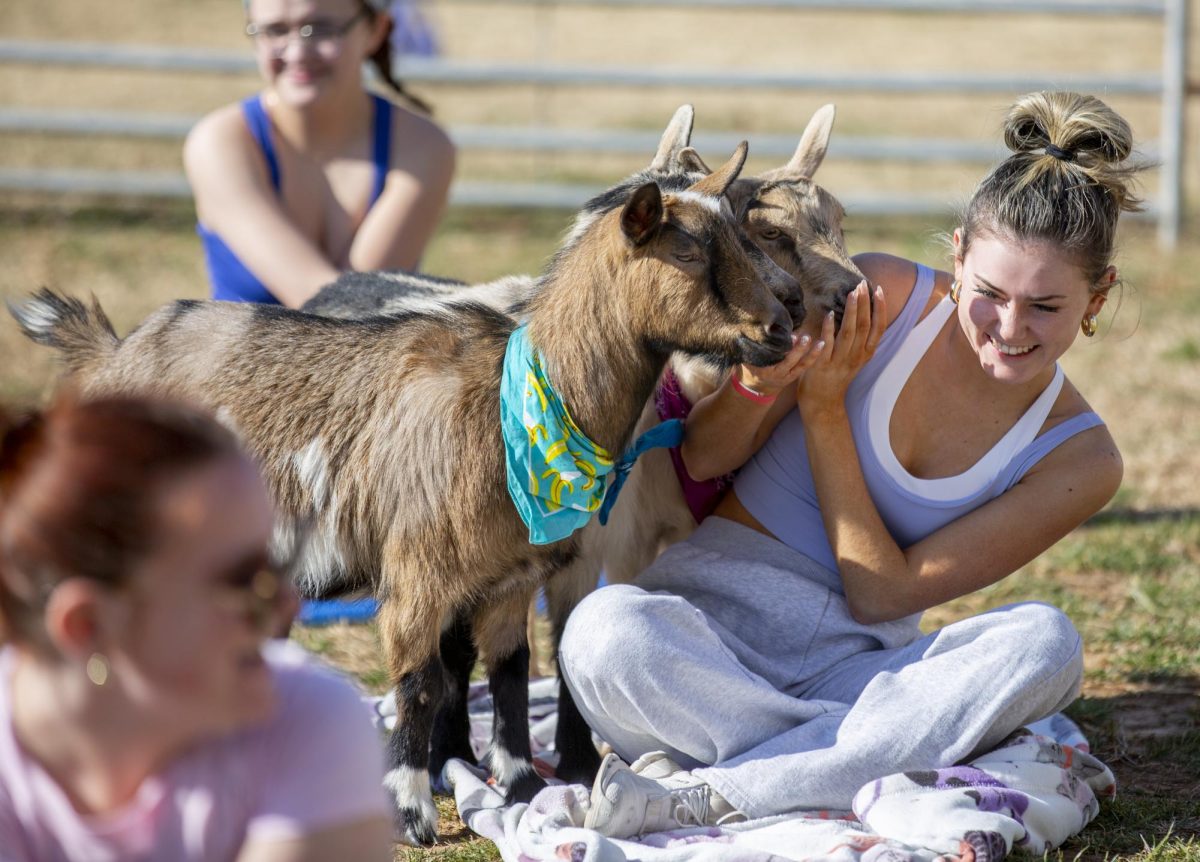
column 719, row 180
column 674, row 139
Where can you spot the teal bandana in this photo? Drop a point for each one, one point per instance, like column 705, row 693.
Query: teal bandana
column 664, row 435
column 556, row 475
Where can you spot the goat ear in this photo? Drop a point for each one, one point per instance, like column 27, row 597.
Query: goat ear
column 691, row 162
column 674, row 139
column 813, row 144
column 642, row 214
column 722, row 178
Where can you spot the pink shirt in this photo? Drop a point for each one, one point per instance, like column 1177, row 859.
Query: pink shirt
column 318, row 762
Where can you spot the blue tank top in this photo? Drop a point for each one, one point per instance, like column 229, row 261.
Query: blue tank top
column 229, row 277
column 776, row 486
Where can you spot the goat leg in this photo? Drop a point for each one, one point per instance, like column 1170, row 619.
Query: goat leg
column 500, row 632
column 578, row 760
column 418, row 695
column 511, row 756
column 452, row 727
column 409, row 635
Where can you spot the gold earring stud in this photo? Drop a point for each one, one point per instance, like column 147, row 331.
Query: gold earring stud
column 1089, row 325
column 97, row 669
column 955, row 291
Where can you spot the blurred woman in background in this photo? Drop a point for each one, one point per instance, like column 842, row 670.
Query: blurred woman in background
column 143, row 713
column 315, row 175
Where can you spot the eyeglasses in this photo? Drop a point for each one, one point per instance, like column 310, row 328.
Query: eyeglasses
column 255, row 588
column 319, row 34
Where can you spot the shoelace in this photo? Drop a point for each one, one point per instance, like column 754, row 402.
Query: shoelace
column 690, row 802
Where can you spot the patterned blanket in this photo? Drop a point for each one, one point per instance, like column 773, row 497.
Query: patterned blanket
column 1036, row 790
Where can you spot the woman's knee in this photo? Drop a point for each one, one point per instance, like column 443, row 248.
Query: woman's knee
column 1046, row 636
column 612, row 628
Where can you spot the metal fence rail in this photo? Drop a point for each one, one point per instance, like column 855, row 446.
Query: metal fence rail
column 1169, row 85
column 482, row 74
column 166, row 184
column 519, row 138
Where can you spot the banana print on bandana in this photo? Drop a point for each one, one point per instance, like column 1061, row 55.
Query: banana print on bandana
column 556, row 475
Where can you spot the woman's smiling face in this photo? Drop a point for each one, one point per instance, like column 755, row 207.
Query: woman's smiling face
column 1022, row 304
column 191, row 650
column 341, row 35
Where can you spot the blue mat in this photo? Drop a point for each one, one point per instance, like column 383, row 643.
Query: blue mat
column 326, row 612
column 323, row 613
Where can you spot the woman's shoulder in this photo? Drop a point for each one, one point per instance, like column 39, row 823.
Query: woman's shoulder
column 322, row 750
column 1090, row 452
column 1069, row 404
column 419, row 143
column 315, row 705
column 220, row 149
column 898, row 278
column 219, row 129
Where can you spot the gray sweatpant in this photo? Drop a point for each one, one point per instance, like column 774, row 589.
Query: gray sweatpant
column 738, row 656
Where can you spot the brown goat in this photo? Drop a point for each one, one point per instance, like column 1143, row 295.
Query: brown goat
column 799, row 226
column 387, row 429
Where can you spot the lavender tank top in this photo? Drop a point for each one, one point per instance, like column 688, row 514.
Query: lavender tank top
column 776, row 485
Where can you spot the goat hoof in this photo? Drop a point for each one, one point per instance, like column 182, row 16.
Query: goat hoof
column 524, row 787
column 579, row 767
column 415, row 828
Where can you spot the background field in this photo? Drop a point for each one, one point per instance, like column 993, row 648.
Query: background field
column 1130, row 578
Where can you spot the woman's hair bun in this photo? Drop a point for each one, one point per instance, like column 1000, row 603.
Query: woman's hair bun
column 1075, row 124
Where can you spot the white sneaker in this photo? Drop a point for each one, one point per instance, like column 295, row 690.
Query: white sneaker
column 625, row 803
column 655, row 764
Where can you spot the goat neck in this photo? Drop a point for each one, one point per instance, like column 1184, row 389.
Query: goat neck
column 601, row 362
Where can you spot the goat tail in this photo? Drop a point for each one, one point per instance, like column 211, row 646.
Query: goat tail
column 81, row 334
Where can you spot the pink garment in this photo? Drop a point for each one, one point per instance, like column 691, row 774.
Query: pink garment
column 317, row 763
column 701, row 497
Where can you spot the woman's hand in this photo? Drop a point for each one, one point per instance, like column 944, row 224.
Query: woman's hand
column 773, row 379
column 822, row 387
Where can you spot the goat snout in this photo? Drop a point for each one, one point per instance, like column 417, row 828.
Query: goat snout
column 794, row 306
column 789, row 292
column 843, row 290
column 772, row 343
column 779, row 331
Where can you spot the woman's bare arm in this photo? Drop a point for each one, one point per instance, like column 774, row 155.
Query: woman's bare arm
column 400, row 224
column 235, row 199
column 726, row 428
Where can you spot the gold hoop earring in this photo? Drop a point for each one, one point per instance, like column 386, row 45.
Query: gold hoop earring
column 955, row 291
column 97, row 669
column 1089, row 325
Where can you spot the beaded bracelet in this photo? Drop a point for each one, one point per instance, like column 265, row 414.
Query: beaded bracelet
column 746, row 392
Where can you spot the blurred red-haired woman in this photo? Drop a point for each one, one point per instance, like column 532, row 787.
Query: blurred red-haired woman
column 143, row 713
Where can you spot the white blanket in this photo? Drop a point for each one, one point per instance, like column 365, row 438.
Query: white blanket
column 1036, row 790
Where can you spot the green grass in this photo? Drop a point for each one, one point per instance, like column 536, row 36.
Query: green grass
column 1186, row 350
